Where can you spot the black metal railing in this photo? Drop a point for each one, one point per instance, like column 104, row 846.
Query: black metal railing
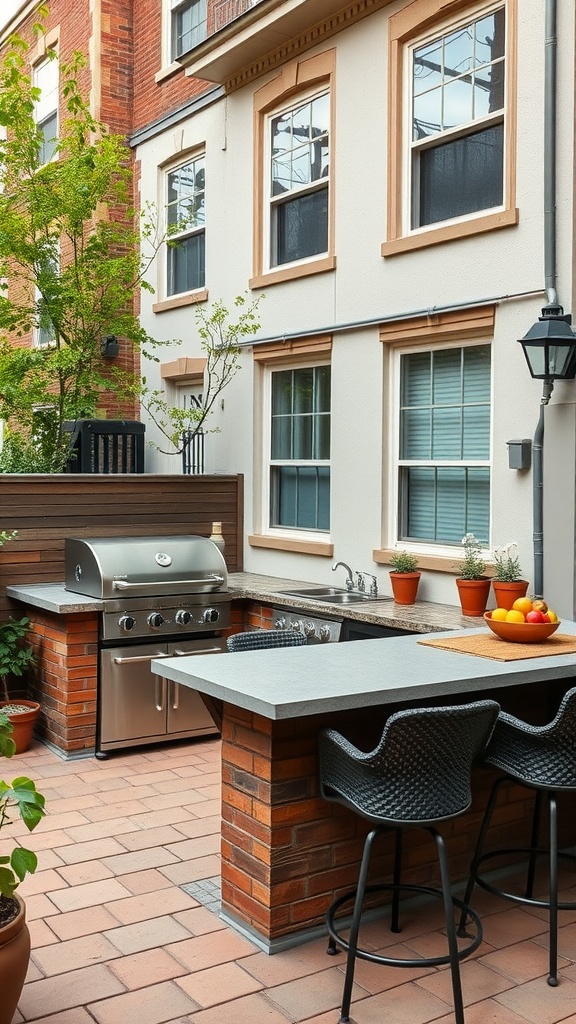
column 193, row 451
column 105, row 446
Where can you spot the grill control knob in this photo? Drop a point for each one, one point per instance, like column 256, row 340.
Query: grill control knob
column 183, row 617
column 211, row 615
column 280, row 623
column 309, row 629
column 155, row 619
column 127, row 622
column 324, row 634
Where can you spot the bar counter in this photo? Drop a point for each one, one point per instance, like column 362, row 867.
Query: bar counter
column 285, row 852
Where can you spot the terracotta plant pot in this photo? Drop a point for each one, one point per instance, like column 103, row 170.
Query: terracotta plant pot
column 14, row 957
column 404, row 586
column 473, row 595
column 506, row 593
column 22, row 722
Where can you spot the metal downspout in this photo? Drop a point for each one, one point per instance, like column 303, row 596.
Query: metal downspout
column 550, row 66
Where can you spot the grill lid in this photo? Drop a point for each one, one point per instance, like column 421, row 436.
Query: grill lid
column 106, row 567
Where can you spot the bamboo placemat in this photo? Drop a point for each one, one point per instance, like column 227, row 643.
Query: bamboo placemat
column 486, row 645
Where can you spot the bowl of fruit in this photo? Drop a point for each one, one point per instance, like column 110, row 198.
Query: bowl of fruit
column 527, row 622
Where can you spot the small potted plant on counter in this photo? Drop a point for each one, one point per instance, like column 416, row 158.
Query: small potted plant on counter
column 507, row 583
column 23, row 797
column 472, row 582
column 404, row 577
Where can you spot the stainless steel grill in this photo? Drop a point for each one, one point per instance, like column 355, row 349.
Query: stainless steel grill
column 163, row 597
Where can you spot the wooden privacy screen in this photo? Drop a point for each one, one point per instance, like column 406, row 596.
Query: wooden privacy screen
column 46, row 509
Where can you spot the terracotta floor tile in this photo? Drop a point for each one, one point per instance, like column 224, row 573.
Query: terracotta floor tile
column 151, row 904
column 252, row 1009
column 146, row 968
column 291, row 964
column 145, row 881
column 140, row 860
column 406, row 1004
column 41, row 998
column 42, row 881
column 206, row 808
column 38, row 907
column 218, row 984
column 86, row 871
column 160, row 931
column 189, row 849
column 73, row 954
column 209, row 950
column 148, row 837
column 101, row 830
column 478, row 982
column 41, row 934
column 167, row 816
column 521, row 962
column 91, row 895
column 81, row 922
column 165, row 800
column 539, row 1003
column 199, row 826
column 511, row 926
column 106, row 811
column 486, row 1012
column 200, row 921
column 77, row 852
column 76, row 1016
column 163, row 1002
column 192, row 870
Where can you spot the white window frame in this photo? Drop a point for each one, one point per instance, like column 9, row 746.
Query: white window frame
column 268, row 462
column 46, row 107
column 322, row 184
column 428, row 547
column 463, row 130
column 200, row 229
column 170, row 8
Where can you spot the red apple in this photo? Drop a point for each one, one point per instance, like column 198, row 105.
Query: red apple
column 535, row 616
column 547, row 617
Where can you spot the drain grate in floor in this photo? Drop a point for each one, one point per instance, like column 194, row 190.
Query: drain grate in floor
column 206, row 891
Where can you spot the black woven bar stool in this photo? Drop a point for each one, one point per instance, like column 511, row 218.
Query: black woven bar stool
column 542, row 758
column 262, row 639
column 417, row 777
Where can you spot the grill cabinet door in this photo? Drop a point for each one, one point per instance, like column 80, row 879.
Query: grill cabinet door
column 132, row 699
column 186, row 710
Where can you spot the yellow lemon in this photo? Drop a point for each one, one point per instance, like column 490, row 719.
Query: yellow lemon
column 499, row 614
column 514, row 616
column 552, row 616
column 522, row 604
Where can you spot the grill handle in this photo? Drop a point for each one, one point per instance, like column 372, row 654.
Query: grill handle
column 166, row 584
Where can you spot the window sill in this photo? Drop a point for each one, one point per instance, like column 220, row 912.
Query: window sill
column 450, row 232
column 180, row 300
column 167, row 72
column 434, row 562
column 292, row 273
column 304, row 547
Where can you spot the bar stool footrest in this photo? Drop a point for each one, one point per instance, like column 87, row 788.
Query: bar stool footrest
column 377, row 958
column 531, row 901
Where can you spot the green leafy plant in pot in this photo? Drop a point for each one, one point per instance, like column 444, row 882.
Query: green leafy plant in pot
column 16, row 656
column 20, row 798
column 507, row 583
column 472, row 582
column 404, row 577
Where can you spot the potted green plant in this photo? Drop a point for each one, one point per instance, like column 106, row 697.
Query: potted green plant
column 472, row 582
column 22, row 797
column 16, row 655
column 404, row 577
column 507, row 583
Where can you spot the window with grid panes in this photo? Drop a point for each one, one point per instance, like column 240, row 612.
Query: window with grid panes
column 300, row 448
column 458, row 98
column 298, row 180
column 185, row 215
column 45, row 79
column 187, row 25
column 444, row 458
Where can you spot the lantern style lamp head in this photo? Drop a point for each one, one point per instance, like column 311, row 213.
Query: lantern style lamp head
column 550, row 346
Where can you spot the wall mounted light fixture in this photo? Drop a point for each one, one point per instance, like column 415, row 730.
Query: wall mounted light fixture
column 109, row 346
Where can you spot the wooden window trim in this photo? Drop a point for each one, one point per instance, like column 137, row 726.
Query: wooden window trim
column 304, row 547
column 294, row 78
column 184, row 369
column 404, row 27
column 180, row 300
column 288, row 351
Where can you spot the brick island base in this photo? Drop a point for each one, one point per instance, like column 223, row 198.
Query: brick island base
column 287, row 853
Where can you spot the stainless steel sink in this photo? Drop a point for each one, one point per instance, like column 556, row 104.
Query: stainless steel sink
column 330, row 595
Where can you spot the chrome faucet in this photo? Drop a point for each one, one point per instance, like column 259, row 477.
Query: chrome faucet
column 350, row 577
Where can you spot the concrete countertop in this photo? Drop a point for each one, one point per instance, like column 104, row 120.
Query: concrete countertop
column 292, row 682
column 422, row 617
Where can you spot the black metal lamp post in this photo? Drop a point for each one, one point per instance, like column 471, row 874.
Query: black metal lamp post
column 550, row 350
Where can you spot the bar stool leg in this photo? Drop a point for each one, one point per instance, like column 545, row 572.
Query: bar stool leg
column 355, row 927
column 534, row 843
column 553, row 978
column 396, row 879
column 478, row 854
column 450, row 927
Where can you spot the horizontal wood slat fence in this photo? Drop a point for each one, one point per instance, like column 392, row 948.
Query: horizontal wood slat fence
column 46, row 509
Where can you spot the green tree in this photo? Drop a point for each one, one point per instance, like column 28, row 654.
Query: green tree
column 73, row 253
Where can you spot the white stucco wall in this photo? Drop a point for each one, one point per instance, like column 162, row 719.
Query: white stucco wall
column 501, row 264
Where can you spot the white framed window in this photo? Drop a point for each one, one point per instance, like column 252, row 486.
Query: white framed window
column 44, row 334
column 187, row 25
column 443, row 445
column 45, row 79
column 297, row 461
column 457, row 111
column 297, row 180
column 186, row 225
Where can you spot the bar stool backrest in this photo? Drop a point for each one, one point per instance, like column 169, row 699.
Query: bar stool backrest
column 420, row 770
column 543, row 755
column 263, row 639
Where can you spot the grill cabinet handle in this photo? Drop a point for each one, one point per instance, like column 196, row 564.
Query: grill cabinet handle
column 202, row 650
column 139, row 658
column 159, row 584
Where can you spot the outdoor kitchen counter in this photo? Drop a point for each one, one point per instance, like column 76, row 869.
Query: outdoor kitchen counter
column 285, row 851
